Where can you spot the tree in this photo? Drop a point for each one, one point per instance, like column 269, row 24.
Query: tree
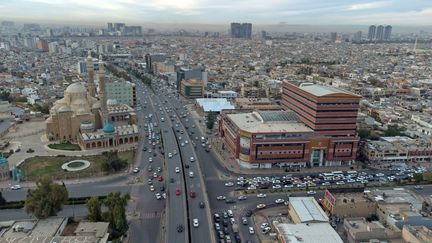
column 94, row 212
column 116, row 214
column 427, row 176
column 418, row 177
column 2, row 200
column 211, row 118
column 47, row 199
column 394, row 130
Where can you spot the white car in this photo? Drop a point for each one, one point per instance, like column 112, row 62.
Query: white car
column 311, row 192
column 150, row 159
column 251, row 230
column 15, row 187
column 195, row 223
column 158, row 196
column 186, row 142
column 182, row 144
column 279, row 201
column 136, row 170
column 192, row 159
column 261, row 205
column 175, row 151
column 229, row 184
column 191, row 174
column 261, row 195
column 169, row 155
column 152, row 188
column 177, row 170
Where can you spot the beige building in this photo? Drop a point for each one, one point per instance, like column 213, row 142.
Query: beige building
column 416, row 234
column 351, row 204
column 90, row 122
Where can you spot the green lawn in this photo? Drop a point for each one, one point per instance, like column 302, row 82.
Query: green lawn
column 36, row 167
column 65, row 146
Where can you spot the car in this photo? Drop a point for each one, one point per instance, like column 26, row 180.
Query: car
column 136, row 170
column 158, row 196
column 175, row 151
column 220, row 198
column 145, row 149
column 225, row 215
column 150, row 159
column 187, row 166
column 164, row 195
column 191, row 174
column 192, row 194
column 152, row 188
column 178, row 192
column 169, row 155
column 201, row 204
column 217, row 226
column 186, row 141
column 379, row 175
column 311, row 192
column 221, row 234
column 242, row 197
column 261, row 195
column 150, row 182
column 195, row 223
column 266, row 230
column 159, row 169
column 225, row 222
column 155, row 175
column 251, row 230
column 418, row 187
column 177, row 169
column 182, row 144
column 180, row 138
column 162, row 188
column 216, row 218
column 261, row 206
column 264, row 225
column 192, row 159
column 149, row 169
column 15, row 187
column 244, row 221
column 160, row 178
column 229, row 184
column 180, row 228
column 279, row 201
column 226, row 230
column 230, row 200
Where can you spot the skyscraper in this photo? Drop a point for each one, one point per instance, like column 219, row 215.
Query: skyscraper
column 357, row 37
column 371, row 33
column 110, row 27
column 380, row 33
column 333, row 36
column 387, row 32
column 243, row 30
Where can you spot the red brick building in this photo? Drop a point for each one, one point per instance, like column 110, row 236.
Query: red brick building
column 318, row 128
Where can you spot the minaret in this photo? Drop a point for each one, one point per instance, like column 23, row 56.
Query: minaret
column 102, row 95
column 90, row 71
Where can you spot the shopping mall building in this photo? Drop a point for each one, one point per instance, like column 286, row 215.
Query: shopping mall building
column 316, row 128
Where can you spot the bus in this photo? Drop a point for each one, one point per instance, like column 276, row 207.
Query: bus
column 352, row 173
column 328, row 176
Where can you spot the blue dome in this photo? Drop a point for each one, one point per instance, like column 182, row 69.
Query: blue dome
column 3, row 160
column 108, row 128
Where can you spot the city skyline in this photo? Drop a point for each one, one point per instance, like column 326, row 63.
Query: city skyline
column 389, row 12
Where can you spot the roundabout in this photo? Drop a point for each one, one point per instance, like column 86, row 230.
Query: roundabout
column 76, row 165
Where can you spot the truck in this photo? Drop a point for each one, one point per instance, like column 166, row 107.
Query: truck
column 235, row 228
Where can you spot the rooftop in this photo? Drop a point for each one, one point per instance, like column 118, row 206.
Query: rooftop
column 214, row 104
column 321, row 90
column 269, row 122
column 310, row 233
column 308, row 209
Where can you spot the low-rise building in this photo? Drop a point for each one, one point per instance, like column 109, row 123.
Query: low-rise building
column 306, row 210
column 416, row 234
column 263, row 104
column 358, row 230
column 192, row 88
column 213, row 104
column 348, row 203
column 305, row 232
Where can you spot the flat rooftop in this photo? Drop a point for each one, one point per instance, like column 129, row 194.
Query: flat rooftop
column 308, row 209
column 310, row 233
column 321, row 90
column 269, row 122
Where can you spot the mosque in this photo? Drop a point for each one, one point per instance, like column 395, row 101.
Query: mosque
column 88, row 121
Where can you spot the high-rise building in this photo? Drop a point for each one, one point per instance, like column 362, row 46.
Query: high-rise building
column 371, row 33
column 387, row 32
column 357, row 37
column 243, row 30
column 119, row 27
column 380, row 33
column 333, row 36
column 110, row 27
column 42, row 45
column 30, row 42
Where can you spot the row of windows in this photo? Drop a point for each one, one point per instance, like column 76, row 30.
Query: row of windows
column 343, row 150
column 282, row 152
column 347, row 103
column 280, row 145
column 278, row 136
column 351, row 110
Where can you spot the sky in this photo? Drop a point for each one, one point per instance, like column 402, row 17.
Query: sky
column 311, row 12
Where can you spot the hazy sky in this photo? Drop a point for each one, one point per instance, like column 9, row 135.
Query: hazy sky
column 314, row 12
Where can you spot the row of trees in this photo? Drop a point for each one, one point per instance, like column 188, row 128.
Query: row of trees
column 48, row 199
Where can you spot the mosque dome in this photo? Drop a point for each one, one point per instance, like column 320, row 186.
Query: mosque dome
column 64, row 108
column 76, row 88
column 108, row 128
